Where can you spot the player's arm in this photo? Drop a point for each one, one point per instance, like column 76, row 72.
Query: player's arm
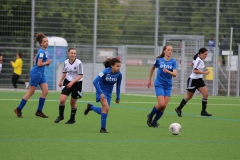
column 174, row 72
column 96, row 82
column 40, row 62
column 200, row 72
column 61, row 79
column 118, row 87
column 150, row 76
column 15, row 64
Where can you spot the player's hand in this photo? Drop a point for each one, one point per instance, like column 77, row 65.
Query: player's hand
column 206, row 72
column 49, row 61
column 149, row 84
column 165, row 70
column 117, row 101
column 69, row 85
column 60, row 84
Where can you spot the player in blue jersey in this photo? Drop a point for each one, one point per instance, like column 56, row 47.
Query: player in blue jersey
column 167, row 68
column 37, row 77
column 104, row 83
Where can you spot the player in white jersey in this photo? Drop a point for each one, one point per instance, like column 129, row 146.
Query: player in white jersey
column 195, row 81
column 71, row 83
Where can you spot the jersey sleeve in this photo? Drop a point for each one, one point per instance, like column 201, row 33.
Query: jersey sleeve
column 175, row 67
column 197, row 64
column 98, row 79
column 156, row 63
column 80, row 69
column 64, row 68
column 118, row 86
column 16, row 63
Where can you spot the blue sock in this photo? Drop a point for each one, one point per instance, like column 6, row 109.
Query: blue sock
column 40, row 103
column 158, row 116
column 96, row 109
column 154, row 111
column 22, row 104
column 103, row 120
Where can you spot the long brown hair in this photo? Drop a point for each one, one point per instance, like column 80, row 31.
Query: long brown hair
column 110, row 62
column 163, row 54
column 201, row 51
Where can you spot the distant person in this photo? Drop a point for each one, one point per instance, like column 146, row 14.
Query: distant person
column 167, row 68
column 104, row 83
column 196, row 82
column 1, row 59
column 211, row 45
column 37, row 78
column 224, row 46
column 71, row 83
column 17, row 66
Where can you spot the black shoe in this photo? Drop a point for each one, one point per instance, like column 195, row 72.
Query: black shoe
column 179, row 112
column 205, row 114
column 103, row 130
column 155, row 124
column 70, row 121
column 149, row 120
column 88, row 109
column 41, row 114
column 59, row 119
column 18, row 113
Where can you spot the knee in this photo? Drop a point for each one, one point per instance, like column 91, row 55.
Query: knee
column 45, row 93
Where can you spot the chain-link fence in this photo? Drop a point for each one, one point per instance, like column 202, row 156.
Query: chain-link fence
column 132, row 30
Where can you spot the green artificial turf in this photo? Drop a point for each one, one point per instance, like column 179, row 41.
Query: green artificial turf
column 129, row 137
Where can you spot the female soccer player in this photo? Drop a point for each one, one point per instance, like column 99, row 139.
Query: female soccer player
column 195, row 81
column 71, row 83
column 37, row 78
column 167, row 68
column 104, row 83
column 17, row 65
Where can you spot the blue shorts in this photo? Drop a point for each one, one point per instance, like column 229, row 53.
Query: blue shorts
column 37, row 79
column 107, row 95
column 161, row 91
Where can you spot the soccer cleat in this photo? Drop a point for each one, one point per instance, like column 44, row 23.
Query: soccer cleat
column 59, row 119
column 18, row 113
column 149, row 120
column 103, row 130
column 205, row 114
column 41, row 114
column 88, row 109
column 179, row 112
column 155, row 124
column 70, row 121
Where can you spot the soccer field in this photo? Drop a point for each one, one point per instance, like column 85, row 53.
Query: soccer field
column 129, row 137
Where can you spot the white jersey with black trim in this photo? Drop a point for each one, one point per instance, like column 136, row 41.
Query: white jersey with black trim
column 199, row 65
column 73, row 69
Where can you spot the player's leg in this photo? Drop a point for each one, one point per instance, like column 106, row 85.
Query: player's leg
column 204, row 92
column 14, row 80
column 191, row 88
column 158, row 91
column 104, row 114
column 44, row 86
column 30, row 92
column 61, row 106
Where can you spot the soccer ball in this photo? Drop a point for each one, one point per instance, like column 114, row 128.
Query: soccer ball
column 175, row 128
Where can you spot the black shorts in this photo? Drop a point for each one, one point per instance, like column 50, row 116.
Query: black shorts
column 193, row 84
column 76, row 89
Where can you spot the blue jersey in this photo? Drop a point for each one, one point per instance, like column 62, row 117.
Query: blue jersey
column 164, row 79
column 42, row 54
column 106, row 80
